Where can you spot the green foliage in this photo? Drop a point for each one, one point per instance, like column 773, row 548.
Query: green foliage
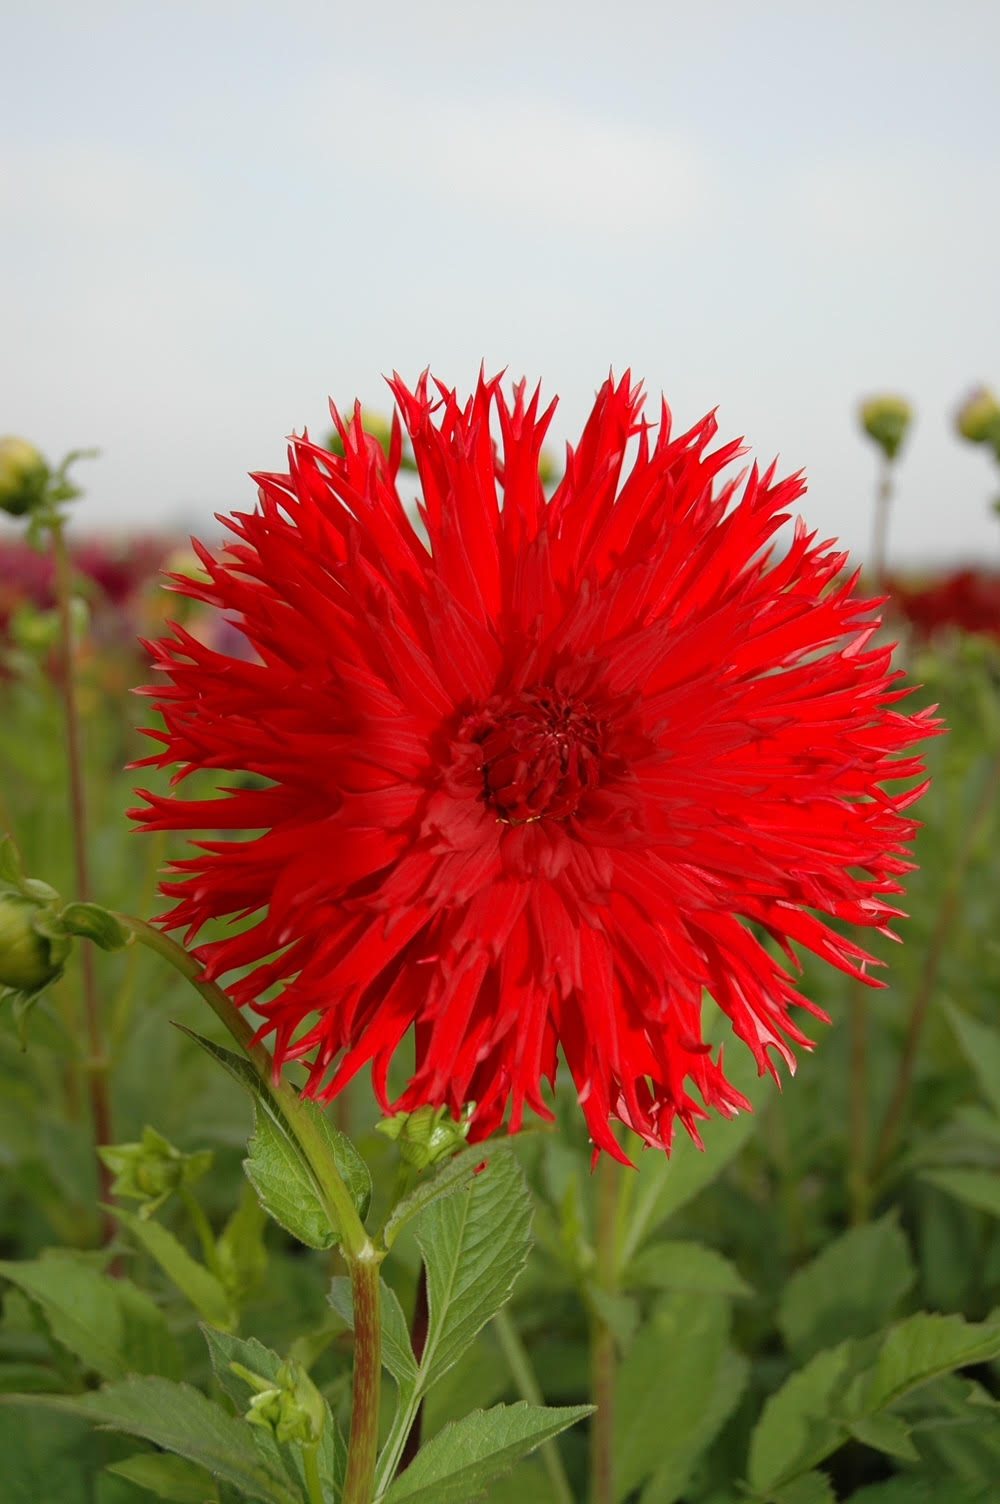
column 463, row 1459
column 165, row 1476
column 843, row 1392
column 108, row 1324
column 850, row 1289
column 230, row 1355
column 181, row 1420
column 762, row 1311
column 202, row 1288
column 276, row 1167
column 672, row 1396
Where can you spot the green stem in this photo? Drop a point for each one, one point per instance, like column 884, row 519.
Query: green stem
column 602, row 1340
column 880, row 526
column 521, row 1371
column 314, row 1485
column 97, row 1062
column 360, row 1253
column 362, row 1445
column 947, row 914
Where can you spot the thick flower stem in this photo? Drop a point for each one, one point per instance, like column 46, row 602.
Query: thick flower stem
column 362, row 1446
column 602, row 1340
column 947, row 915
column 97, row 1063
column 363, row 1259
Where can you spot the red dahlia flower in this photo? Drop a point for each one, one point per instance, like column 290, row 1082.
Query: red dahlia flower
column 545, row 779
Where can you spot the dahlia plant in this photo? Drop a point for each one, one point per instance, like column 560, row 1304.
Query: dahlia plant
column 526, row 780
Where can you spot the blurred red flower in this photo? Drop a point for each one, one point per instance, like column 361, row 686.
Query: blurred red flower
column 967, row 600
column 546, row 779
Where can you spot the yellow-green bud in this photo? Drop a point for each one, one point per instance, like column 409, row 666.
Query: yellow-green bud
column 886, row 420
column 978, row 418
column 548, row 471
column 30, row 957
column 24, row 476
column 152, row 1170
column 426, row 1136
column 289, row 1405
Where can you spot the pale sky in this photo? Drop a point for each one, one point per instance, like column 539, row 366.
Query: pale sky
column 214, row 215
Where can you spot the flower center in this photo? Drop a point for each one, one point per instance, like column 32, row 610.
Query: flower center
column 541, row 753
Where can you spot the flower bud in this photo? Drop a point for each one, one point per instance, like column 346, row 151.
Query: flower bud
column 153, row 1169
column 886, row 420
column 426, row 1136
column 978, row 418
column 32, row 951
column 289, row 1405
column 24, row 476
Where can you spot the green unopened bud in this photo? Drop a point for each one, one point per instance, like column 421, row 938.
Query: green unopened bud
column 978, row 418
column 33, row 951
column 426, row 1136
column 886, row 420
column 24, row 477
column 289, row 1405
column 153, row 1169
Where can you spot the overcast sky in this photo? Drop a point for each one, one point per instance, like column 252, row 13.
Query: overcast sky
column 214, row 215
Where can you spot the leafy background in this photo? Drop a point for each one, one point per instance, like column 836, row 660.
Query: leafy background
column 807, row 1311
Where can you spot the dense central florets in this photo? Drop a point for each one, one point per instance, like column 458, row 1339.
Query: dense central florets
column 541, row 754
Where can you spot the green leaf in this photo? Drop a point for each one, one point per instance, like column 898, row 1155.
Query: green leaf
column 285, row 1184
column 278, row 1170
column 224, row 1350
column 45, row 1458
column 850, row 1289
column 685, row 1266
column 200, row 1285
column 978, row 1188
column 798, row 1425
column 181, row 1420
column 453, row 1176
column 397, row 1350
column 910, row 1490
column 670, row 1480
column 981, row 1046
column 240, row 1247
column 921, row 1348
column 93, row 922
column 238, row 1066
column 811, row 1488
column 665, row 1386
column 461, row 1461
column 474, row 1245
column 109, row 1324
column 817, row 1408
column 165, row 1476
column 886, row 1433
